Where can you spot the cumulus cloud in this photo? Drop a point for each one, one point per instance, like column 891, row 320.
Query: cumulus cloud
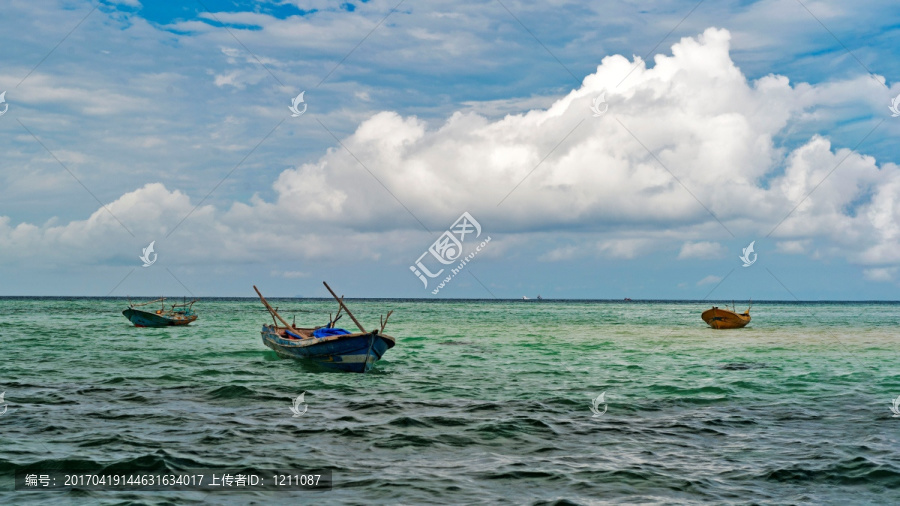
column 687, row 146
column 694, row 111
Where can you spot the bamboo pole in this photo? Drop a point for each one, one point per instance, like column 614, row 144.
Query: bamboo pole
column 341, row 302
column 384, row 321
column 145, row 303
column 274, row 313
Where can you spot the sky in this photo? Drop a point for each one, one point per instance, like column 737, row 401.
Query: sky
column 470, row 149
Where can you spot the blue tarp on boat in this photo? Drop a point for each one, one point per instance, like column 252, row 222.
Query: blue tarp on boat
column 325, row 332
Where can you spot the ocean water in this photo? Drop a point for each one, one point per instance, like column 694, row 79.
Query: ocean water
column 479, row 402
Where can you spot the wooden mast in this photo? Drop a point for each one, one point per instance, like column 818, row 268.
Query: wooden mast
column 341, row 302
column 274, row 313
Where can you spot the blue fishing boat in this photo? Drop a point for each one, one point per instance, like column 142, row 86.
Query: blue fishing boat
column 346, row 352
column 327, row 346
column 177, row 314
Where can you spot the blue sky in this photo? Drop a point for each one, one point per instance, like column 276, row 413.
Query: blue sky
column 169, row 122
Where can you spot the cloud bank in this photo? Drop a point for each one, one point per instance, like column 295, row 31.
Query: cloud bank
column 687, row 153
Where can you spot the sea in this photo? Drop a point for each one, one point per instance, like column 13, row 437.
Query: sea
column 480, row 402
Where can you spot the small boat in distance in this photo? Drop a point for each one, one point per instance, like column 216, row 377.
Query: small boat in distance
column 177, row 314
column 327, row 346
column 719, row 318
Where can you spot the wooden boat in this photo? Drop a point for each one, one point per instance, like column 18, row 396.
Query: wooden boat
column 177, row 314
column 327, row 346
column 719, row 318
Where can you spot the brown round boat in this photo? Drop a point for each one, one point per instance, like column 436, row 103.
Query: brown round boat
column 719, row 318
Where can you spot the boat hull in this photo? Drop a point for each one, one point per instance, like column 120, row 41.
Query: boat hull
column 147, row 319
column 723, row 319
column 350, row 352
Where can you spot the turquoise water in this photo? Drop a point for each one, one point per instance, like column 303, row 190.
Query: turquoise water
column 480, row 401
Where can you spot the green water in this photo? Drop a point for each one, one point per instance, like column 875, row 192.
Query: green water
column 480, row 401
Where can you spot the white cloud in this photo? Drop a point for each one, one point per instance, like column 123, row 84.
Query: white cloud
column 709, row 280
column 694, row 111
column 561, row 254
column 289, row 274
column 129, row 3
column 623, row 248
column 880, row 274
column 80, row 97
column 701, row 249
column 792, row 247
